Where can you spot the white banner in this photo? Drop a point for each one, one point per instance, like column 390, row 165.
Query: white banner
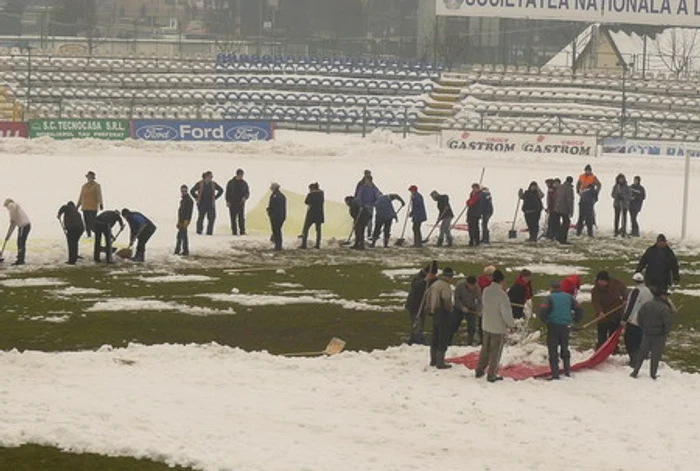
column 650, row 12
column 642, row 147
column 511, row 142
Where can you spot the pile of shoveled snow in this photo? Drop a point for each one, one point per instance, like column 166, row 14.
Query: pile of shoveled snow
column 214, row 408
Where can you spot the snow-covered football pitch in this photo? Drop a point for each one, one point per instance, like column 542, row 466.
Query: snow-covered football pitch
column 121, row 360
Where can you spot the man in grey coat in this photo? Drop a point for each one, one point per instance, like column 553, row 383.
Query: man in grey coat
column 563, row 210
column 655, row 322
column 467, row 306
column 497, row 318
column 622, row 196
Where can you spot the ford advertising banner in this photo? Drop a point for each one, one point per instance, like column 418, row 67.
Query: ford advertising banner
column 230, row 131
column 13, row 129
column 512, row 142
column 615, row 145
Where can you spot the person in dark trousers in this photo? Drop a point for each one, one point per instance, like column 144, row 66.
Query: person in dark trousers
column 418, row 215
column 520, row 293
column 532, row 208
column 90, row 200
column 415, row 303
column 444, row 219
column 467, row 306
column 559, row 312
column 486, row 210
column 496, row 319
column 277, row 212
column 314, row 214
column 368, row 193
column 141, row 229
column 184, row 217
column 474, row 214
column 622, row 196
column 661, row 265
column 587, row 187
column 361, row 217
column 237, row 193
column 655, row 321
column 205, row 192
column 639, row 194
column 19, row 220
column 440, row 305
column 104, row 222
column 551, row 184
column 563, row 210
column 639, row 296
column 384, row 215
column 73, row 227
column 608, row 297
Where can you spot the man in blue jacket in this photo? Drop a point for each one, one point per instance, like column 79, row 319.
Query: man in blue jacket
column 277, row 212
column 418, row 215
column 141, row 230
column 384, row 215
column 559, row 311
column 367, row 194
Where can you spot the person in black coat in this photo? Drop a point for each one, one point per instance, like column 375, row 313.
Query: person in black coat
column 661, row 265
column 184, row 216
column 237, row 193
column 277, row 212
column 639, row 194
column 314, row 214
column 73, row 227
column 141, row 231
column 361, row 217
column 104, row 222
column 532, row 208
column 205, row 192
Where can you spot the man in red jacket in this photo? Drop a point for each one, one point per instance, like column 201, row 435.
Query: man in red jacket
column 474, row 214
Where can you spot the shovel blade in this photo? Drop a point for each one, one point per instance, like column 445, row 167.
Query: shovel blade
column 512, row 234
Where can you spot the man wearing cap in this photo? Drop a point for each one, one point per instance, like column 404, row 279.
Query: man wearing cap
column 661, row 265
column 559, row 312
column 655, row 322
column 20, row 221
column 608, row 297
column 496, row 319
column 418, row 215
column 184, row 216
column 415, row 302
column 439, row 304
column 90, row 200
column 587, row 187
column 639, row 296
column 237, row 193
column 277, row 212
column 563, row 209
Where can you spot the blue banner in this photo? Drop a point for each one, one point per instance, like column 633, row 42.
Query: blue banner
column 616, row 145
column 204, row 131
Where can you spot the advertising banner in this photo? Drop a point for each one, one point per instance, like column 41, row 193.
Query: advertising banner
column 642, row 147
column 231, row 131
column 112, row 129
column 13, row 129
column 642, row 12
column 512, row 142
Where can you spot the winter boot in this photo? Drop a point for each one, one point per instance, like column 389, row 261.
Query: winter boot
column 440, row 363
column 433, row 356
column 567, row 367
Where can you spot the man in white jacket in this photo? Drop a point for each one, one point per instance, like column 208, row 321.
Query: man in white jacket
column 19, row 220
column 640, row 295
column 496, row 319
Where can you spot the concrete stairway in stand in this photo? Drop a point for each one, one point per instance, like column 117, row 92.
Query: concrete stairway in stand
column 441, row 106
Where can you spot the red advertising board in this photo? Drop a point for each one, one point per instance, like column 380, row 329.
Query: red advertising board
column 13, row 129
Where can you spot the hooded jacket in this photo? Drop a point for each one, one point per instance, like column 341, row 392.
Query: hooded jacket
column 564, row 199
column 621, row 194
column 532, row 200
column 486, row 203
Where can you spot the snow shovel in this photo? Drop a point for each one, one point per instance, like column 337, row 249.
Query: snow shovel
column 402, row 240
column 604, row 316
column 2, row 251
column 461, row 213
column 125, row 253
column 427, row 239
column 347, row 242
column 512, row 233
column 334, row 347
column 62, row 225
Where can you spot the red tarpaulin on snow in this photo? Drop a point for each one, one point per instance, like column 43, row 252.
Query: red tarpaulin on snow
column 526, row 371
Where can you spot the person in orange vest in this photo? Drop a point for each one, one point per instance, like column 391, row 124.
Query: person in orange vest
column 205, row 192
column 587, row 187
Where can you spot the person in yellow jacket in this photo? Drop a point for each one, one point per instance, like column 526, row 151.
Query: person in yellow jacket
column 90, row 200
